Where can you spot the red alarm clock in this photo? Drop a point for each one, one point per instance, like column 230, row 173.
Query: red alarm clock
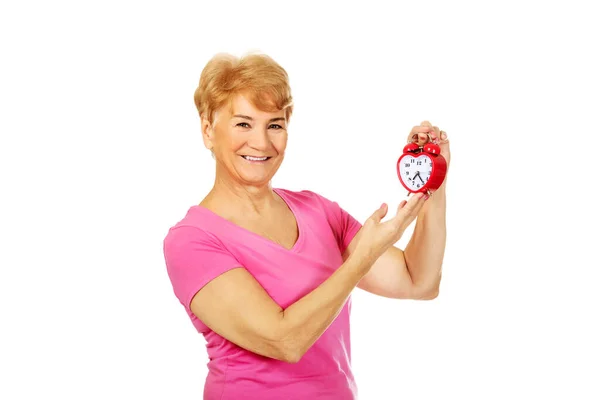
column 421, row 168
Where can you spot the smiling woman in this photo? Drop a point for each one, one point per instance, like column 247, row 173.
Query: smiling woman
column 265, row 274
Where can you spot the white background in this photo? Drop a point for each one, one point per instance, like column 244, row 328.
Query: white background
column 101, row 153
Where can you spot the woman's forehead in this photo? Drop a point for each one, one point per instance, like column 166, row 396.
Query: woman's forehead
column 241, row 106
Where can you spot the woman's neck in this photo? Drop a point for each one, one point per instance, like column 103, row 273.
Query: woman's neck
column 238, row 199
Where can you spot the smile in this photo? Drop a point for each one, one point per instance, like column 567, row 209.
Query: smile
column 255, row 159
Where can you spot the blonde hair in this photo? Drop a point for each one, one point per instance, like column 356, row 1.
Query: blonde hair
column 257, row 76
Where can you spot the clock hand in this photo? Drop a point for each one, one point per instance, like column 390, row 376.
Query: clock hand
column 421, row 178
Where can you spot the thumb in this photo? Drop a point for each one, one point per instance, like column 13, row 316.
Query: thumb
column 380, row 213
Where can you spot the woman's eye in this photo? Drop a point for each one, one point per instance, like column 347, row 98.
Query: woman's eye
column 272, row 126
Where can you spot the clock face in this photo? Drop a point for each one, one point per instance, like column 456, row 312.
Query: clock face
column 415, row 171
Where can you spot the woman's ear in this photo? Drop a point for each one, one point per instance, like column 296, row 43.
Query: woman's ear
column 207, row 133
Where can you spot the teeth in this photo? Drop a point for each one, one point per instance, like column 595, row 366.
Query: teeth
column 255, row 158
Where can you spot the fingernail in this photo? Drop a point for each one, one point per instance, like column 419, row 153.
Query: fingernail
column 382, row 205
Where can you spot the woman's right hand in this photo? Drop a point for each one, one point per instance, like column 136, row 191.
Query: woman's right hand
column 376, row 236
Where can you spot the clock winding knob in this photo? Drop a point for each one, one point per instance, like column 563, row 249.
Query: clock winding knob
column 411, row 148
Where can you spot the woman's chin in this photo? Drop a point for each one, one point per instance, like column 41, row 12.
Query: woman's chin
column 255, row 177
column 256, row 172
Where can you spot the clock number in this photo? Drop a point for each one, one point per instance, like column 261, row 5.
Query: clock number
column 407, row 165
column 407, row 172
column 412, row 160
column 418, row 162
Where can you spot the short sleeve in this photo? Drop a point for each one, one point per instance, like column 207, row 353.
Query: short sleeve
column 193, row 258
column 343, row 224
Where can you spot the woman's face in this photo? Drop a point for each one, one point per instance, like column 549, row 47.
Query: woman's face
column 240, row 140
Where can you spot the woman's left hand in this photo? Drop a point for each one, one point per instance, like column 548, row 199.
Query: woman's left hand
column 439, row 137
column 420, row 135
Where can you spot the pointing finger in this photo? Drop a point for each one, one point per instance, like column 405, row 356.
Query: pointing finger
column 402, row 204
column 415, row 203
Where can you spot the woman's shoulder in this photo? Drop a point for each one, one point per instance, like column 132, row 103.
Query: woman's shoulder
column 197, row 225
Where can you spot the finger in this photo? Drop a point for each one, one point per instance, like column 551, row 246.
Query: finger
column 420, row 134
column 402, row 204
column 414, row 204
column 380, row 213
column 436, row 133
column 426, row 123
column 418, row 129
column 415, row 208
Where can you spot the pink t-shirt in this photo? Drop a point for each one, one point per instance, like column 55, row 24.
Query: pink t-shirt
column 204, row 245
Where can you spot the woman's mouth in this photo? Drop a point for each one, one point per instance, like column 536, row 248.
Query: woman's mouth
column 256, row 159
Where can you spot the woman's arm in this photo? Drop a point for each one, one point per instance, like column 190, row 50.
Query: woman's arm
column 235, row 306
column 424, row 253
column 414, row 273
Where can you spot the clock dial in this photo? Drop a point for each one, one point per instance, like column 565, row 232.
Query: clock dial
column 415, row 171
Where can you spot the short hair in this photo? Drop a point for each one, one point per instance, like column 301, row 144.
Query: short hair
column 257, row 76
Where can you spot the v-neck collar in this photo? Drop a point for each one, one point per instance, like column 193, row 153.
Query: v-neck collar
column 290, row 205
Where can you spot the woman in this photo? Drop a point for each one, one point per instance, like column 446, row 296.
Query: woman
column 265, row 274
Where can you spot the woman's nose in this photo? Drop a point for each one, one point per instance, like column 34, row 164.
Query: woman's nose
column 259, row 139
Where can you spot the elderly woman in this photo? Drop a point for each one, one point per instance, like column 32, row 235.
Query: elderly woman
column 265, row 274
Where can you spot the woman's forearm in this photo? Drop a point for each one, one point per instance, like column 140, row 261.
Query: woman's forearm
column 306, row 320
column 424, row 253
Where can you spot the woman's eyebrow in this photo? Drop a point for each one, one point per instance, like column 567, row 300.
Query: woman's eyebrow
column 251, row 119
